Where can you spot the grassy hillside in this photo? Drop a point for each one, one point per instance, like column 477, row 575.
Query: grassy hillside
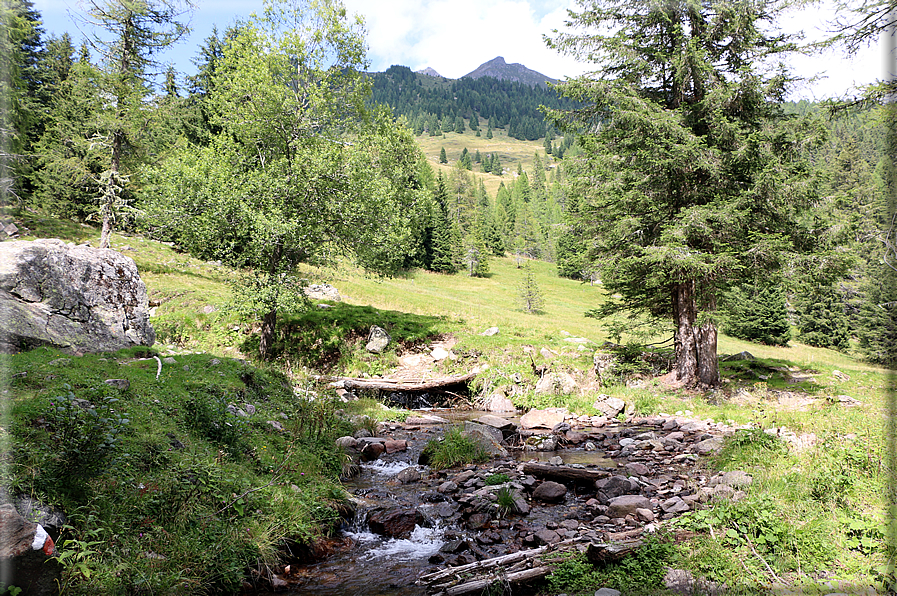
column 510, row 151
column 820, row 506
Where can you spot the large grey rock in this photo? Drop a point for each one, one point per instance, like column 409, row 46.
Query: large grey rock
column 483, row 435
column 395, row 523
column 24, row 551
column 626, row 505
column 550, row 492
column 496, row 422
column 556, row 383
column 547, row 418
column 76, row 298
column 609, row 406
column 499, row 402
column 378, row 339
column 322, row 292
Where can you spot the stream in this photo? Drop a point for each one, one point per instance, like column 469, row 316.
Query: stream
column 368, row 564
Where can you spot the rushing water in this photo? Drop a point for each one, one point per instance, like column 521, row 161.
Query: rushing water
column 367, row 564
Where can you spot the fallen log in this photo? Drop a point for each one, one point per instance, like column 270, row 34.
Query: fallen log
column 601, row 552
column 511, row 568
column 564, row 473
column 404, row 384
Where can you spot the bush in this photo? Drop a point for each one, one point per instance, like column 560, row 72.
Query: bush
column 453, row 449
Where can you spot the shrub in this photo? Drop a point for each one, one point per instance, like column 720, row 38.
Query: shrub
column 453, row 449
column 496, row 479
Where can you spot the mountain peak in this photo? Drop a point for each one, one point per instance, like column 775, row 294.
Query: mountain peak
column 501, row 70
column 429, row 72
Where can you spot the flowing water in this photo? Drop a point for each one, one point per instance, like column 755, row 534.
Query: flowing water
column 367, row 564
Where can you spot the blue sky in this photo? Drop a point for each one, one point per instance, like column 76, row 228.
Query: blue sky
column 456, row 36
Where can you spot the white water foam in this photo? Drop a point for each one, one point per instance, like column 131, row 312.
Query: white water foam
column 422, row 543
column 384, row 468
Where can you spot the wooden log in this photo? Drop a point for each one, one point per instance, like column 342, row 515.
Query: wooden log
column 512, row 578
column 600, row 552
column 405, row 384
column 564, row 473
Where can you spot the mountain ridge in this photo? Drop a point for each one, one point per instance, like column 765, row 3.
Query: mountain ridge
column 498, row 68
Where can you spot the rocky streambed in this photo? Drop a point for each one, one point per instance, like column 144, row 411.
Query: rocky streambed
column 583, row 479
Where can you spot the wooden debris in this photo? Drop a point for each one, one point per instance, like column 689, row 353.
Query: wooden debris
column 405, row 384
column 600, row 552
column 512, row 568
column 564, row 473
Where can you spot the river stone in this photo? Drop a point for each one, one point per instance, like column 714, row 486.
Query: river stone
column 498, row 402
column 681, row 581
column 484, row 429
column 609, row 406
column 546, row 536
column 408, row 475
column 395, row 523
column 378, row 339
column 637, row 469
column 708, row 446
column 395, row 446
column 607, row 592
column 645, row 515
column 550, row 492
column 626, row 505
column 486, row 439
column 615, row 486
column 674, row 505
column 445, row 509
column 520, row 504
column 542, row 418
column 347, row 442
column 76, row 298
column 495, row 422
column 693, row 426
column 425, row 419
column 447, row 487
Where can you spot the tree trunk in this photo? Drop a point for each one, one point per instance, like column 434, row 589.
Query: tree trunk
column 696, row 359
column 267, row 335
column 685, row 313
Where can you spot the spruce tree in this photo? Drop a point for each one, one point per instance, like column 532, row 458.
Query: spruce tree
column 528, row 291
column 821, row 318
column 757, row 314
column 442, row 156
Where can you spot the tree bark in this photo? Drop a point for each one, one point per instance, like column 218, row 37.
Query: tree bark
column 697, row 363
column 267, row 334
column 685, row 313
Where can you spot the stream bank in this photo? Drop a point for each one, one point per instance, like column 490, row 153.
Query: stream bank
column 574, row 481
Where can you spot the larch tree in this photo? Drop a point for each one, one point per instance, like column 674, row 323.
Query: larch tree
column 691, row 178
column 300, row 171
column 129, row 33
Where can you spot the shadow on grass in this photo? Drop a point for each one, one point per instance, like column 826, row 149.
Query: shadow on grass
column 320, row 337
column 776, row 373
column 51, row 227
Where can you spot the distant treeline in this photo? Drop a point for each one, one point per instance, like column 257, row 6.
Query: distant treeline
column 434, row 105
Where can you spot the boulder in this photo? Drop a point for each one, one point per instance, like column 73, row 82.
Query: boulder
column 550, row 492
column 498, row 402
column 483, row 435
column 322, row 292
column 547, row 418
column 439, row 353
column 76, row 298
column 378, row 339
column 395, row 523
column 498, row 422
column 609, row 406
column 490, row 332
column 637, row 469
column 556, row 383
column 674, row 505
column 408, row 475
column 626, row 505
column 395, row 446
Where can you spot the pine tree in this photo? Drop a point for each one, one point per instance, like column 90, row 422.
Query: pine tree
column 459, row 125
column 530, row 295
column 444, row 255
column 442, row 156
column 465, row 161
column 489, row 132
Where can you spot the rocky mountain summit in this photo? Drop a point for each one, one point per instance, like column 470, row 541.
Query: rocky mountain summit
column 501, row 70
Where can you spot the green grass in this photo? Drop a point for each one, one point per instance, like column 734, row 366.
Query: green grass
column 453, row 449
column 836, row 488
